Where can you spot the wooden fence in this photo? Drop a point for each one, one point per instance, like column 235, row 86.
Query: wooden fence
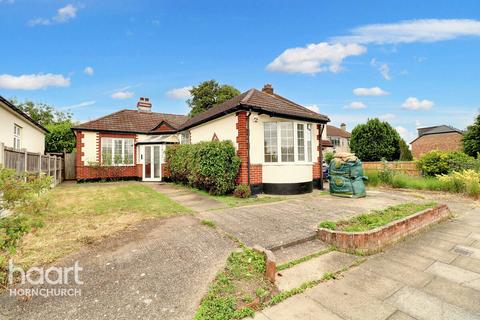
column 33, row 163
column 407, row 167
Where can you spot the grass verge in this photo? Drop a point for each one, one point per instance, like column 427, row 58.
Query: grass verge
column 238, row 290
column 376, row 218
column 80, row 214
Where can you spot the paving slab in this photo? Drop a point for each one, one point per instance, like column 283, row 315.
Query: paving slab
column 467, row 263
column 416, row 248
column 348, row 302
column 399, row 315
column 421, row 305
column 313, row 269
column 405, row 257
column 454, row 293
column 299, row 308
column 300, row 250
column 472, row 252
column 454, row 274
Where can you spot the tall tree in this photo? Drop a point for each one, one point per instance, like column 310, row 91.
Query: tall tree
column 405, row 153
column 209, row 93
column 471, row 139
column 375, row 140
column 59, row 123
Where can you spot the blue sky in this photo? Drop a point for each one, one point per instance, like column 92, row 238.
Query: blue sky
column 413, row 63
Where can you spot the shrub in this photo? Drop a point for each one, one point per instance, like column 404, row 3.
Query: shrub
column 242, row 191
column 467, row 181
column 328, row 225
column 329, row 157
column 405, row 153
column 212, row 166
column 441, row 162
column 471, row 139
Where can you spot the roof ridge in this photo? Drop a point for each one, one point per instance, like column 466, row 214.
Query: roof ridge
column 294, row 103
column 169, row 114
column 248, row 96
column 100, row 118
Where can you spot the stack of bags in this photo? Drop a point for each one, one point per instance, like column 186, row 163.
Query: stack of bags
column 346, row 176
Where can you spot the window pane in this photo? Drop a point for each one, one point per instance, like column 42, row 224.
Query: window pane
column 107, row 151
column 270, row 141
column 301, row 142
column 286, row 141
column 156, row 161
column 118, row 149
column 128, row 143
column 148, row 162
column 308, row 139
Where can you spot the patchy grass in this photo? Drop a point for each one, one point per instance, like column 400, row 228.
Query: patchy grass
column 378, row 218
column 232, row 201
column 80, row 214
column 238, row 289
column 292, row 263
column 209, row 223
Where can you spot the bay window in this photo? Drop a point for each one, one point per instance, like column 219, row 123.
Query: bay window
column 117, row 151
column 287, row 142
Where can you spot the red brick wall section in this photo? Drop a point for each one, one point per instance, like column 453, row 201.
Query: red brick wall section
column 165, row 172
column 451, row 141
column 256, row 173
column 317, row 167
column 242, row 151
column 374, row 240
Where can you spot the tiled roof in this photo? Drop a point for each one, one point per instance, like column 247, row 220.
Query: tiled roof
column 259, row 101
column 337, row 132
column 134, row 121
column 22, row 114
column 436, row 130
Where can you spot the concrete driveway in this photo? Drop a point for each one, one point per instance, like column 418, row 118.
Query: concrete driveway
column 276, row 224
column 159, row 270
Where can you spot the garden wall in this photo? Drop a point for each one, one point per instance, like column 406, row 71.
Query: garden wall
column 407, row 167
column 374, row 240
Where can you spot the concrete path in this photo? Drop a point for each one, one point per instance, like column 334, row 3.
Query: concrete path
column 160, row 270
column 193, row 200
column 276, row 224
column 435, row 275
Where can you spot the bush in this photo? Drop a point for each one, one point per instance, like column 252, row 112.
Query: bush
column 211, row 166
column 467, row 182
column 329, row 157
column 442, row 162
column 405, row 153
column 242, row 191
column 328, row 225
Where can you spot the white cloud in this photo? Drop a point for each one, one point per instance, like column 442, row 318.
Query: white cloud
column 88, row 71
column 79, row 105
column 387, row 116
column 122, row 95
column 33, row 81
column 313, row 107
column 314, row 58
column 413, row 103
column 180, row 93
column 423, row 30
column 63, row 15
column 406, row 135
column 356, row 105
column 383, row 68
column 374, row 91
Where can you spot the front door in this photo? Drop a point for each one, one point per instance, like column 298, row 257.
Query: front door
column 152, row 167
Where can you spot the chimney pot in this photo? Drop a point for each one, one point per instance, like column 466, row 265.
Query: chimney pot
column 144, row 105
column 343, row 126
column 267, row 88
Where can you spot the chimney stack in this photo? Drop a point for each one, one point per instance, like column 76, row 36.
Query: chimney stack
column 268, row 88
column 144, row 105
column 343, row 126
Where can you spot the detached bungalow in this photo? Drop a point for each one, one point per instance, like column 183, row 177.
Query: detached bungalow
column 278, row 141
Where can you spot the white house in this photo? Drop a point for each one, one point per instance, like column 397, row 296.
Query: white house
column 278, row 141
column 18, row 130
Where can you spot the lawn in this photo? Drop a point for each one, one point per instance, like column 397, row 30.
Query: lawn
column 79, row 214
column 377, row 218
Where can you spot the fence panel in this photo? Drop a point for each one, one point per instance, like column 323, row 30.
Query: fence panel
column 69, row 166
column 14, row 159
column 32, row 162
column 407, row 167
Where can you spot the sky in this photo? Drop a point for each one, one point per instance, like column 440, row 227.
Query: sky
column 411, row 63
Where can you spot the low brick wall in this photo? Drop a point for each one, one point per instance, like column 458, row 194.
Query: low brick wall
column 373, row 240
column 407, row 167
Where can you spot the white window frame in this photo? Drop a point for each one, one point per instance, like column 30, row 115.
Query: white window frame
column 124, row 142
column 17, row 136
column 295, row 144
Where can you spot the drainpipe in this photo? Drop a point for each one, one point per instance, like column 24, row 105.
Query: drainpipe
column 322, row 127
column 248, row 148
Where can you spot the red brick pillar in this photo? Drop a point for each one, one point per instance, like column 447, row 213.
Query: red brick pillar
column 79, row 168
column 242, row 151
column 317, row 166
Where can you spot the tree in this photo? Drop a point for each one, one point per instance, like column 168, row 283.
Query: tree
column 59, row 123
column 471, row 139
column 375, row 140
column 207, row 94
column 405, row 153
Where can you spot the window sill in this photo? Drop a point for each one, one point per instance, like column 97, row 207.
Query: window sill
column 287, row 164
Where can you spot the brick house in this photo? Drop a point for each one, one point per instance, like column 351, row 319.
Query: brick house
column 339, row 138
column 278, row 141
column 441, row 137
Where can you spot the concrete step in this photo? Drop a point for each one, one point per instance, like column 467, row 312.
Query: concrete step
column 313, row 269
column 299, row 250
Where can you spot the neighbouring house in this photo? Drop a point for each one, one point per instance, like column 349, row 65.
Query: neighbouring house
column 441, row 137
column 19, row 131
column 278, row 141
column 339, row 138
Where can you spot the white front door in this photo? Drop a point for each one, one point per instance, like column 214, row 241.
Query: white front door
column 152, row 164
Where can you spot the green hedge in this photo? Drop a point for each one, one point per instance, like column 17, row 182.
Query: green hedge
column 211, row 166
column 443, row 162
